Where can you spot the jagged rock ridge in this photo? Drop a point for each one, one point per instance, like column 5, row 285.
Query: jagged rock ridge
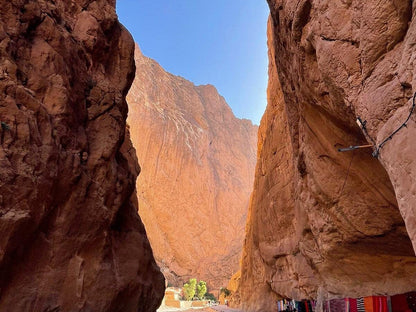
column 71, row 238
column 321, row 223
column 198, row 166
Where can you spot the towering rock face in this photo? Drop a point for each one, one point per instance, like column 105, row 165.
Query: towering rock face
column 71, row 239
column 321, row 223
column 198, row 166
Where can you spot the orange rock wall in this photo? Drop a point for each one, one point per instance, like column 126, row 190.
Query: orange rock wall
column 71, row 238
column 321, row 223
column 198, row 166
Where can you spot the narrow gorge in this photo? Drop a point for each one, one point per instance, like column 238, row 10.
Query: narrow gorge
column 279, row 205
column 197, row 174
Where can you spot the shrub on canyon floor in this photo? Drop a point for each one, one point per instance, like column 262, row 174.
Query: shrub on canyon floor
column 193, row 290
column 209, row 296
column 201, row 290
column 189, row 289
column 225, row 291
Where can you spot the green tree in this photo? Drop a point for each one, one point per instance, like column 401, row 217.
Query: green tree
column 189, row 289
column 225, row 291
column 201, row 289
column 210, row 296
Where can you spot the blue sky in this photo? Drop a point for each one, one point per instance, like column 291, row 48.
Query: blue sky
column 220, row 42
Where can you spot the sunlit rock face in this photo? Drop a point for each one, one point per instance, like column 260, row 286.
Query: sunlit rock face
column 321, row 223
column 71, row 238
column 197, row 164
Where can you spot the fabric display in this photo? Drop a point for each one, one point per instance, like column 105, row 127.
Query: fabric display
column 360, row 305
column 411, row 300
column 397, row 303
column 351, row 304
column 286, row 305
column 400, row 303
column 336, row 305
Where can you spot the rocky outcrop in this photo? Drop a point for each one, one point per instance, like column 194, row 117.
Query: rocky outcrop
column 198, row 166
column 71, row 238
column 322, row 223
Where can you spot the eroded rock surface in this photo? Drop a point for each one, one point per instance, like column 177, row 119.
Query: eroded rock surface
column 71, row 238
column 321, row 223
column 198, row 166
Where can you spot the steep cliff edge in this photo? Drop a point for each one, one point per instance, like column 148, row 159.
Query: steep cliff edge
column 71, row 238
column 321, row 223
column 198, row 166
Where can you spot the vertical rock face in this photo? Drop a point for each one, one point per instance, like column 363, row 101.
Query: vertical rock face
column 198, row 166
column 71, row 239
column 322, row 223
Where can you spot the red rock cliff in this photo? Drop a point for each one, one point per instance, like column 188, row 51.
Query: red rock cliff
column 71, row 239
column 198, row 166
column 321, row 223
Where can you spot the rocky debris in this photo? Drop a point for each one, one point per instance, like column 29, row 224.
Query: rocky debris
column 324, row 224
column 71, row 238
column 198, row 166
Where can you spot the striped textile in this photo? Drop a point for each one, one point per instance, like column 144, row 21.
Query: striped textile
column 311, row 306
column 383, row 304
column 411, row 300
column 326, row 307
column 352, row 305
column 389, row 308
column 337, row 305
column 399, row 303
column 306, row 306
column 360, row 305
column 369, row 304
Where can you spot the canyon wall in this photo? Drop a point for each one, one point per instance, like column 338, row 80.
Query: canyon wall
column 71, row 238
column 325, row 224
column 198, row 168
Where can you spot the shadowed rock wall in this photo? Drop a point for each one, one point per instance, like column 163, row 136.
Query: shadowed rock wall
column 321, row 223
column 71, row 239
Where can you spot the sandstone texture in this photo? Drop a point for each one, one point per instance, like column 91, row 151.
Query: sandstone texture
column 71, row 238
column 198, row 168
column 324, row 224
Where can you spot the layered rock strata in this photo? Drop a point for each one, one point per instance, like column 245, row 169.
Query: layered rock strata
column 322, row 223
column 71, row 238
column 198, row 166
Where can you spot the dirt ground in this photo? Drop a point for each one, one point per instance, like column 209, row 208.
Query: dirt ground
column 218, row 308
